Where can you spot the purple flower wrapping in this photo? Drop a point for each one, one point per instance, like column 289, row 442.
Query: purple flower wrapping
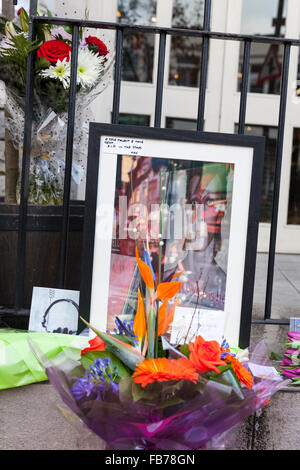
column 163, row 416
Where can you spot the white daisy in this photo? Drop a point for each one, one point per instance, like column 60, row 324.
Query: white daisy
column 88, row 68
column 60, row 71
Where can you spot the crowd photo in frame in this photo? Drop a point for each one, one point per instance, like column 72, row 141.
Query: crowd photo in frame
column 188, row 200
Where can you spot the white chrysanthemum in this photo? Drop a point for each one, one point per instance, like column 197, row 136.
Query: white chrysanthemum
column 60, row 71
column 88, row 68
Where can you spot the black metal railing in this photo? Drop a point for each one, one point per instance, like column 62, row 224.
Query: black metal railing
column 206, row 34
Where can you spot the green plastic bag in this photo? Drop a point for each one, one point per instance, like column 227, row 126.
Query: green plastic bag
column 18, row 364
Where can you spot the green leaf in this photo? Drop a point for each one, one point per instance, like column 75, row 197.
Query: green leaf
column 68, row 29
column 89, row 358
column 19, row 52
column 128, row 355
column 147, row 393
column 293, row 345
column 41, row 64
column 228, row 377
column 184, row 349
column 24, row 20
column 151, row 332
column 123, row 338
column 93, row 48
column 274, row 356
column 161, row 352
column 170, row 402
column 125, row 389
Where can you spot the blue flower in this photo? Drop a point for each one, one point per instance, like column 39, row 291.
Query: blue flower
column 98, row 379
column 225, row 345
column 124, row 327
column 115, row 387
column 82, row 388
column 147, row 260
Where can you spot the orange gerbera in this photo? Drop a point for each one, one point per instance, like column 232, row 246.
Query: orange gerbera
column 205, row 355
column 164, row 370
column 243, row 375
column 96, row 344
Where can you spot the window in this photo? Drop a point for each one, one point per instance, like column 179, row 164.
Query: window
column 178, row 123
column 185, row 52
column 270, row 133
column 134, row 119
column 294, row 196
column 138, row 49
column 267, row 19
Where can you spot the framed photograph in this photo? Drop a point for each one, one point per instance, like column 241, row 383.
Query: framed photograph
column 191, row 200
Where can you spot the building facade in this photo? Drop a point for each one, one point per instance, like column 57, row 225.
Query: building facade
column 180, row 100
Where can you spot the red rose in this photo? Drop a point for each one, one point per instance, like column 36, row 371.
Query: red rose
column 97, row 44
column 19, row 11
column 54, row 50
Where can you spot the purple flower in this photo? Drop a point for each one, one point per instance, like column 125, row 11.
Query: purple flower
column 61, row 32
column 286, row 361
column 124, row 327
column 6, row 44
column 115, row 387
column 100, row 377
column 82, row 388
column 291, row 373
column 294, row 335
column 291, row 351
column 225, row 345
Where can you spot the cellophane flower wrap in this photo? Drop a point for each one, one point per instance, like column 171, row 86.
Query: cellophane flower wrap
column 137, row 391
column 290, row 363
column 53, row 47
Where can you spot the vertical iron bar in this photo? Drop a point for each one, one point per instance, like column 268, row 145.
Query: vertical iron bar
column 69, row 157
column 203, row 67
column 160, row 79
column 32, row 8
column 279, row 152
column 118, row 76
column 244, row 87
column 21, row 247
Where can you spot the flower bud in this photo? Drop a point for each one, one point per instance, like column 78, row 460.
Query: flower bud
column 10, row 31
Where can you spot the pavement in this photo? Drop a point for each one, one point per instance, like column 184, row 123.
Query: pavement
column 286, row 286
column 34, row 418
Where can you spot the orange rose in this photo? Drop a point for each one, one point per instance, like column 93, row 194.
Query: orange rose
column 205, row 355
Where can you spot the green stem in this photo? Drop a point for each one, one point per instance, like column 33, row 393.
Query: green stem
column 151, row 332
column 160, row 229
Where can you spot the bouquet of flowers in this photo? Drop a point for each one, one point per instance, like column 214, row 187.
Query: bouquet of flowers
column 137, row 391
column 290, row 363
column 53, row 47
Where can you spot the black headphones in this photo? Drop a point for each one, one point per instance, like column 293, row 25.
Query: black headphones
column 59, row 330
